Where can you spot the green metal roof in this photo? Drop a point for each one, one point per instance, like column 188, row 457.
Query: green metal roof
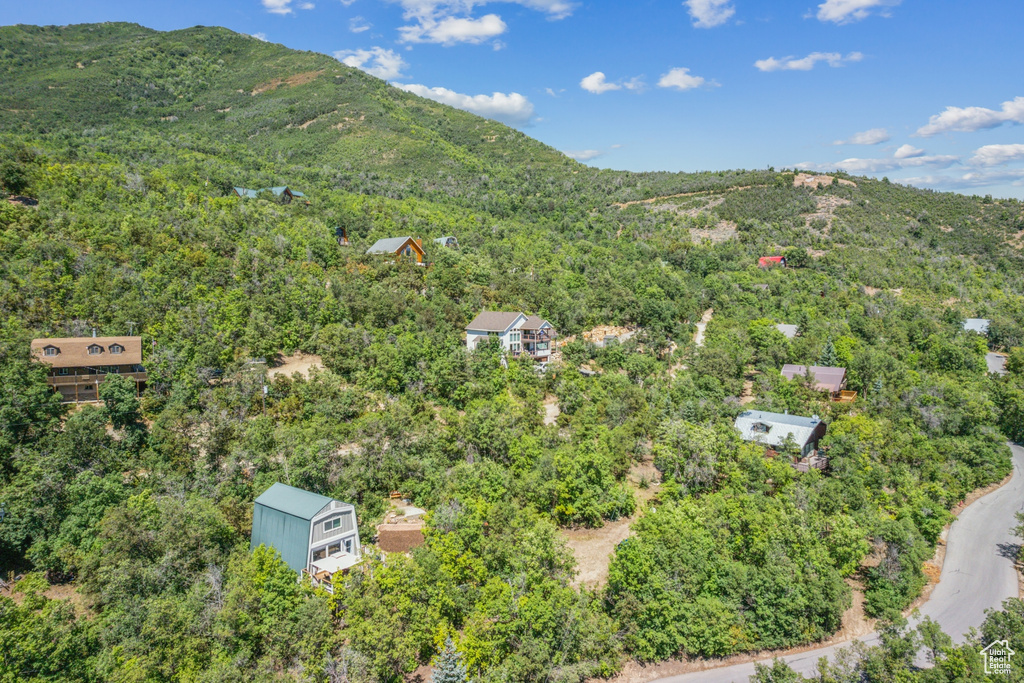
column 293, row 501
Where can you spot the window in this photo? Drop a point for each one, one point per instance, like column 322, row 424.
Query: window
column 95, row 349
column 116, row 348
column 334, row 548
column 348, row 546
column 332, row 524
column 760, row 428
column 51, row 351
column 63, row 371
column 319, row 554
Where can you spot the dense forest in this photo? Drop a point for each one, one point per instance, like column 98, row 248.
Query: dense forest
column 140, row 509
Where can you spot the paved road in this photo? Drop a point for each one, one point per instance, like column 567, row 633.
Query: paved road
column 978, row 574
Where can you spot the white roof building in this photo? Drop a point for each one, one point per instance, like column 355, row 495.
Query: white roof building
column 772, row 429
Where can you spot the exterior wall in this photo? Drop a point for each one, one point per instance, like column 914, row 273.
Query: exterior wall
column 345, row 537
column 82, row 384
column 472, row 338
column 287, row 534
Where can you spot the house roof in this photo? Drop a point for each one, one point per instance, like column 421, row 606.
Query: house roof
column 534, row 322
column 400, row 538
column 770, row 260
column 979, row 325
column 828, row 379
column 779, row 425
column 391, row 245
column 73, row 352
column 444, row 239
column 494, row 321
column 788, row 330
column 276, row 191
column 996, row 363
column 292, row 501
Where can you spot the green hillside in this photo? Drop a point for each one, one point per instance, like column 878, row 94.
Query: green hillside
column 129, row 142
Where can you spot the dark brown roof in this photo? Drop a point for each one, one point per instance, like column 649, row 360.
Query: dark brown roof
column 73, row 352
column 493, row 321
column 400, row 538
column 827, row 379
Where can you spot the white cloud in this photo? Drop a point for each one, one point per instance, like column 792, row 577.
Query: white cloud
column 681, row 79
column 908, row 152
column 709, row 13
column 358, row 25
column 970, row 119
column 511, row 108
column 452, row 30
column 376, row 61
column 846, row 11
column 833, row 59
column 597, row 84
column 449, row 22
column 278, row 6
column 972, row 179
column 583, row 154
column 875, row 136
column 997, row 155
column 260, row 36
column 284, row 6
column 855, row 165
column 347, row 3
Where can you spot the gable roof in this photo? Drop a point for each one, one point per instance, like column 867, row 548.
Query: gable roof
column 443, row 240
column 780, row 426
column 979, row 325
column 534, row 322
column 73, row 352
column 788, row 330
column 770, row 260
column 292, row 501
column 391, row 245
column 826, row 378
column 1003, row 644
column 276, row 191
column 494, row 321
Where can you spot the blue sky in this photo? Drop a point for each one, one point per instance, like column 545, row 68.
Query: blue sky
column 925, row 92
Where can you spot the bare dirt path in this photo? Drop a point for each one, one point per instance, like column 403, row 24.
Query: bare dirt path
column 301, row 363
column 698, row 339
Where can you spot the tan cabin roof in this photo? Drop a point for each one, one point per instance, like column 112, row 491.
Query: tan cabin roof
column 535, row 322
column 494, row 321
column 825, row 378
column 73, row 352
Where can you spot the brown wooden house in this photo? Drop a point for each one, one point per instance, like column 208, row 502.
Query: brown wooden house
column 403, row 248
column 79, row 364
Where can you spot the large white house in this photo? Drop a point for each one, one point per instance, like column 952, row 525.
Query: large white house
column 518, row 333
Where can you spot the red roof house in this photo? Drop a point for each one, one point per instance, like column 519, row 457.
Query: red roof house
column 771, row 261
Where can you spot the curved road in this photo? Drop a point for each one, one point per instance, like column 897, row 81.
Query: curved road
column 978, row 574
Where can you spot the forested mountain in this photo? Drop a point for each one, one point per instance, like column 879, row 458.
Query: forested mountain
column 130, row 140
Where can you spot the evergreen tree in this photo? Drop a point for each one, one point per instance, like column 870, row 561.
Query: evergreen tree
column 828, row 356
column 449, row 667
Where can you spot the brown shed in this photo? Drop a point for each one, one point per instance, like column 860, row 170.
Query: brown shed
column 401, row 537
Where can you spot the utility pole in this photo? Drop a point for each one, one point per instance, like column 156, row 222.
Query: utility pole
column 131, row 327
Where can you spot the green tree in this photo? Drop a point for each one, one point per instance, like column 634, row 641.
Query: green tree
column 448, row 667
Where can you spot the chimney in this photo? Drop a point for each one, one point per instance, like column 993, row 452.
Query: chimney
column 94, row 332
column 419, row 242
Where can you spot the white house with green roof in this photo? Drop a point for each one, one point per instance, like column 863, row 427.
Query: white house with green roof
column 313, row 533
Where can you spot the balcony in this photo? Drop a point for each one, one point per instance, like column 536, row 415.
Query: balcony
column 96, row 378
